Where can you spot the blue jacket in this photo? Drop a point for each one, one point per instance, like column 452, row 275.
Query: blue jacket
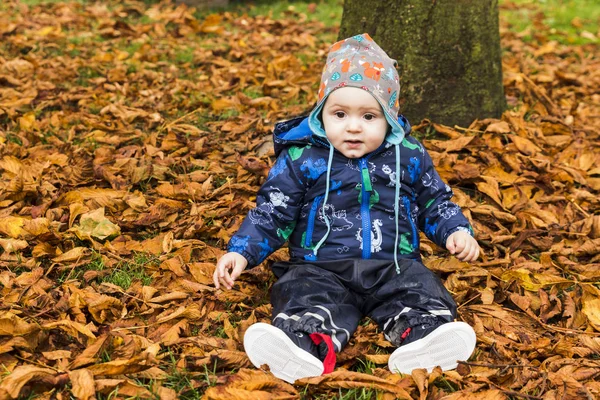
column 360, row 204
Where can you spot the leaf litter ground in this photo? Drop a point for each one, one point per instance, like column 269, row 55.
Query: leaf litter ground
column 132, row 140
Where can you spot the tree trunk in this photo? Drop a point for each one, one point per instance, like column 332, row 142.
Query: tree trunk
column 448, row 54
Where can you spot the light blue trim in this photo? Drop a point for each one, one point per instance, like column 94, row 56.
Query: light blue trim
column 329, row 162
column 313, row 120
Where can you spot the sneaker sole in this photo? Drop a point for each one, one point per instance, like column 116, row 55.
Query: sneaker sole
column 444, row 347
column 265, row 344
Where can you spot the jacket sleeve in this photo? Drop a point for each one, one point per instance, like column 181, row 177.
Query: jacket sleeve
column 268, row 225
column 438, row 216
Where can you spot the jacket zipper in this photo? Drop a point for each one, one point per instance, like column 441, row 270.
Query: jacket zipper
column 365, row 212
column 415, row 234
column 311, row 220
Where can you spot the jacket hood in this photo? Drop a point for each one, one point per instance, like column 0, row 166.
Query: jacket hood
column 359, row 62
column 297, row 132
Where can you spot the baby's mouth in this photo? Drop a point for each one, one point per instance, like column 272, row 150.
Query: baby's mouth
column 353, row 144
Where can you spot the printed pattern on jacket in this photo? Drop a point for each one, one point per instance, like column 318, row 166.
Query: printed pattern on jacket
column 359, row 208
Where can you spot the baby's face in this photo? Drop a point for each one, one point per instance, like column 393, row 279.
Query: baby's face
column 354, row 122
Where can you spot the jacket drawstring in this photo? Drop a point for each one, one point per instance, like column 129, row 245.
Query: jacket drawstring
column 324, row 238
column 396, row 210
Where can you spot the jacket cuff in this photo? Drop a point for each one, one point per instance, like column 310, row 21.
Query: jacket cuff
column 449, row 232
column 251, row 260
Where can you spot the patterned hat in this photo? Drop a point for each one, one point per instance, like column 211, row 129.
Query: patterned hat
column 359, row 62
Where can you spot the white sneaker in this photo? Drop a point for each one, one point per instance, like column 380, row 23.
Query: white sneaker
column 265, row 344
column 444, row 347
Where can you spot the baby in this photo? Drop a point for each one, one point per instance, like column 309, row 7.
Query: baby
column 349, row 190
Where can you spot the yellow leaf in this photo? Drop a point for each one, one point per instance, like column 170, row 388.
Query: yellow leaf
column 532, row 281
column 27, row 121
column 72, row 255
column 222, row 104
column 378, row 358
column 43, row 249
column 75, row 210
column 37, row 226
column 99, row 197
column 45, row 31
column 591, row 309
column 71, row 327
column 12, row 226
column 95, row 224
column 11, row 164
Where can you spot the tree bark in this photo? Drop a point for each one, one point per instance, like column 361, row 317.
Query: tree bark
column 448, row 54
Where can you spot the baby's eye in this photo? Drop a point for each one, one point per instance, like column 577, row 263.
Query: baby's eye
column 340, row 114
column 369, row 117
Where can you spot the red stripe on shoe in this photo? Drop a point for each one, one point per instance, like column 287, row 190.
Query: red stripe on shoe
column 405, row 333
column 329, row 361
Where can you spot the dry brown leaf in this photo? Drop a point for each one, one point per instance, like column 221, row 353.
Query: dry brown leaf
column 493, row 394
column 13, row 325
column 176, row 163
column 251, row 384
column 82, row 382
column 352, row 380
column 11, row 385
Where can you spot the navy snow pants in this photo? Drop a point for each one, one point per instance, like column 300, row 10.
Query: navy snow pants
column 331, row 297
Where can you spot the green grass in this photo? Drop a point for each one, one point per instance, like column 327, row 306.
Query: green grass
column 127, row 272
column 96, row 264
column 182, row 381
column 123, row 274
column 345, row 394
column 184, row 55
column 327, row 11
column 44, row 2
column 365, row 366
column 566, row 19
column 84, row 74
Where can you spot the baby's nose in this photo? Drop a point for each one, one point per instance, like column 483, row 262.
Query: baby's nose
column 354, row 125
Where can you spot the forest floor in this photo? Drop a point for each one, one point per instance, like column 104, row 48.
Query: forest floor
column 133, row 138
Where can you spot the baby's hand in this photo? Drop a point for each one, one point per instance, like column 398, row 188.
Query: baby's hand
column 463, row 246
column 230, row 261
